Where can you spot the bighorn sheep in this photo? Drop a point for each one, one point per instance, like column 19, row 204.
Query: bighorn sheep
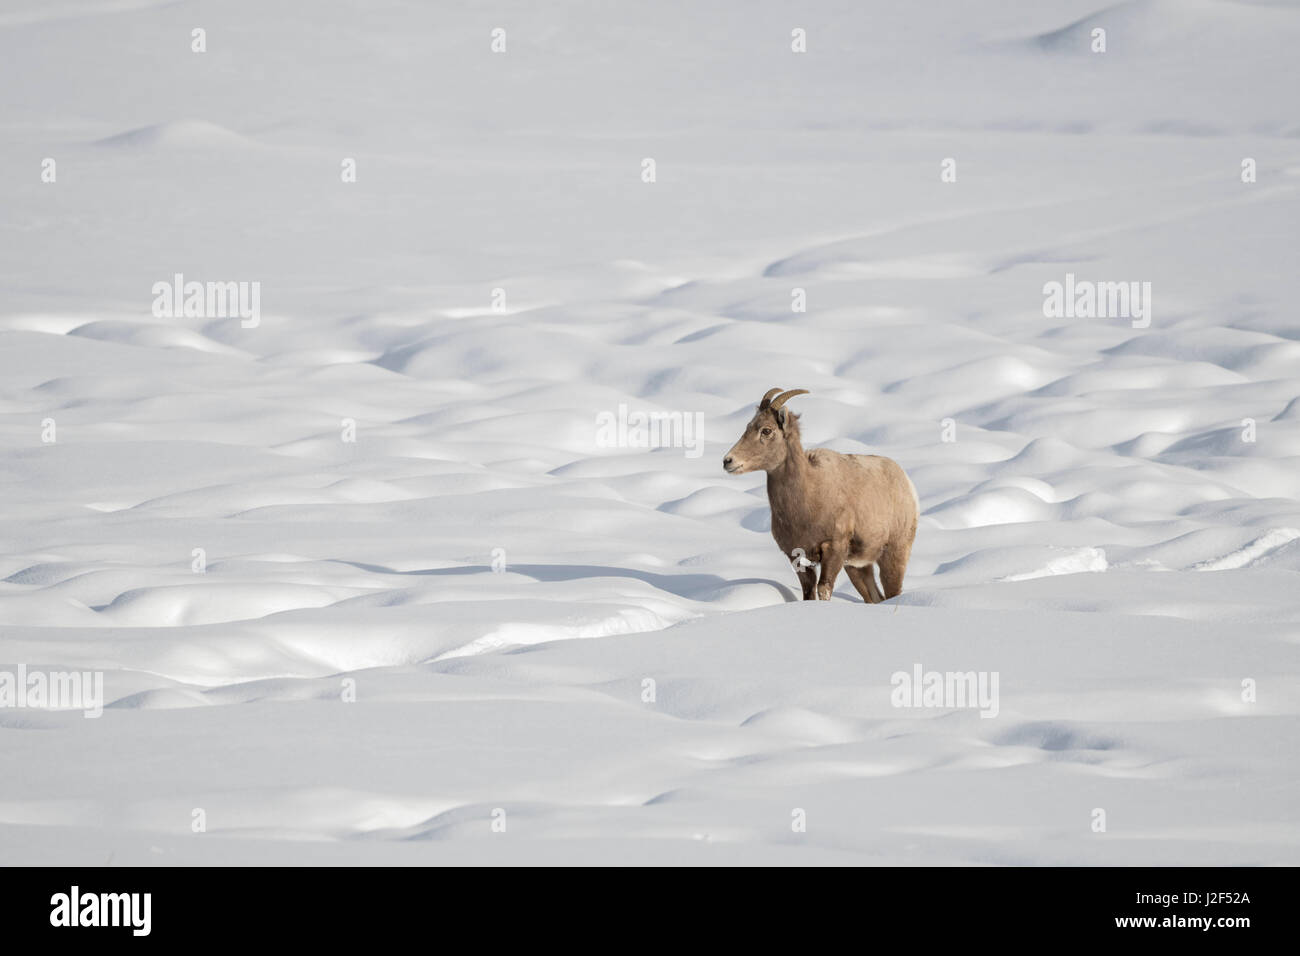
column 839, row 511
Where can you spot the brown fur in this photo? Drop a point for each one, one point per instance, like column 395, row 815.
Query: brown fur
column 840, row 511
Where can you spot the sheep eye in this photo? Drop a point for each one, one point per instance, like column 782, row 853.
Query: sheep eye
column 767, row 433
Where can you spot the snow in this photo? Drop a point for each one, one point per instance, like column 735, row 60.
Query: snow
column 603, row 642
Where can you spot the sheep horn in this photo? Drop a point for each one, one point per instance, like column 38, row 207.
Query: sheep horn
column 768, row 397
column 784, row 397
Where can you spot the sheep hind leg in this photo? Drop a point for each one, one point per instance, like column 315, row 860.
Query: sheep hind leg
column 865, row 581
column 893, row 564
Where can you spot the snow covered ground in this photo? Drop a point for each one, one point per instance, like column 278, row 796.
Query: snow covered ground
column 481, row 632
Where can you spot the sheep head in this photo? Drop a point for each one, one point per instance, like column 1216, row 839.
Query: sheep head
column 766, row 441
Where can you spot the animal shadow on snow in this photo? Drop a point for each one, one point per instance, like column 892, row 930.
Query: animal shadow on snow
column 692, row 586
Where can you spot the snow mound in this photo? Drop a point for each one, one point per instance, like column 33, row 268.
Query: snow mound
column 186, row 134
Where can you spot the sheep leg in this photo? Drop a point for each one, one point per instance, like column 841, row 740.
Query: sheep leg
column 893, row 564
column 808, row 580
column 832, row 564
column 865, row 582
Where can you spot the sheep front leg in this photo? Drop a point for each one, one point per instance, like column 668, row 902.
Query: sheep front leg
column 832, row 563
column 808, row 581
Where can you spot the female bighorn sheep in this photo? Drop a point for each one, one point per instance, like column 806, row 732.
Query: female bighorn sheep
column 840, row 511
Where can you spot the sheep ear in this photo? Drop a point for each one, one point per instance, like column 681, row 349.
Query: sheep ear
column 780, row 418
